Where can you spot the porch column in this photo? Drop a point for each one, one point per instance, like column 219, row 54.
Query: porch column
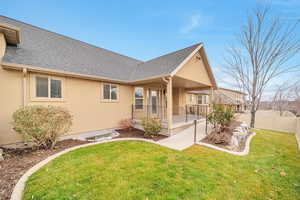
column 211, row 100
column 169, row 105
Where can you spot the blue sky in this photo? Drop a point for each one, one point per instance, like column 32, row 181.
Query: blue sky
column 147, row 29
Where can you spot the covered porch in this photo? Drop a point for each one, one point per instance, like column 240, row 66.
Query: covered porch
column 166, row 96
column 167, row 99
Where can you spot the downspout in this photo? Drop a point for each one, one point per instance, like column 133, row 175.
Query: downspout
column 24, row 74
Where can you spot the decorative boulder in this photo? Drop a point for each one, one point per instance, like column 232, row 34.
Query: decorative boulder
column 239, row 134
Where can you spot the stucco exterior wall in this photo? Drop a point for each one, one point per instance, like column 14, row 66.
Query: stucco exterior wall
column 11, row 99
column 271, row 121
column 81, row 97
column 195, row 70
column 179, row 101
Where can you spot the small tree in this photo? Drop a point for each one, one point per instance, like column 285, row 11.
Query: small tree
column 282, row 97
column 126, row 124
column 220, row 117
column 42, row 125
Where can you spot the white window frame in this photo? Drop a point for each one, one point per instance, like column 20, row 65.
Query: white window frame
column 102, row 92
column 33, row 89
column 139, row 98
column 191, row 99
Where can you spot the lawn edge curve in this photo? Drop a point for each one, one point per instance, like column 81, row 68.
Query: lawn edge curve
column 18, row 190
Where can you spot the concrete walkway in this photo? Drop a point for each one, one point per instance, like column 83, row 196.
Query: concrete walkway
column 185, row 138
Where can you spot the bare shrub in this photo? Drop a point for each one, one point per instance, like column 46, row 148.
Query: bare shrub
column 42, row 125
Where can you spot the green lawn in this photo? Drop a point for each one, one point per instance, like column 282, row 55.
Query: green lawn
column 138, row 170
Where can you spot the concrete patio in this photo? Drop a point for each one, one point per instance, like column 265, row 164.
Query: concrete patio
column 185, row 138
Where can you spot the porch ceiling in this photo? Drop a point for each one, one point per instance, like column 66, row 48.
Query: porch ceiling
column 179, row 82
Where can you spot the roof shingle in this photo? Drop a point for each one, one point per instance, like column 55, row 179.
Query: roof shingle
column 49, row 50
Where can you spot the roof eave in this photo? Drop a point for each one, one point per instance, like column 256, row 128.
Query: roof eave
column 11, row 33
column 20, row 67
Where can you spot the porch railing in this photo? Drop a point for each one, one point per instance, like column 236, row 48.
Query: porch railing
column 146, row 111
column 180, row 113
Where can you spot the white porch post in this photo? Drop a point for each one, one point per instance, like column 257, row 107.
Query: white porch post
column 211, row 100
column 169, row 105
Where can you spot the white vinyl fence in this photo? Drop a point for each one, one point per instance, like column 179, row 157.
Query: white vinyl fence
column 267, row 119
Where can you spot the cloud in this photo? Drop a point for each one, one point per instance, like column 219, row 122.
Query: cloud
column 193, row 23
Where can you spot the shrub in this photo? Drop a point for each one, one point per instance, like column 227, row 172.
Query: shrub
column 220, row 117
column 152, row 126
column 42, row 125
column 126, row 124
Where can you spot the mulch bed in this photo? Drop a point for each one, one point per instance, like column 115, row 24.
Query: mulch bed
column 16, row 162
column 223, row 139
column 136, row 133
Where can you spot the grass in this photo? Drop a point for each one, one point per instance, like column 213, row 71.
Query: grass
column 138, row 170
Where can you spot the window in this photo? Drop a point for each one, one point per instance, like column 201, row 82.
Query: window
column 203, row 99
column 55, row 88
column 199, row 99
column 110, row 92
column 41, row 87
column 47, row 87
column 139, row 97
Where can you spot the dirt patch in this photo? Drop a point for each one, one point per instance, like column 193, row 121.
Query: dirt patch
column 223, row 139
column 16, row 162
column 136, row 133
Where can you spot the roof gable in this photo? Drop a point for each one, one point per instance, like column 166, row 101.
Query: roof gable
column 194, row 69
column 163, row 65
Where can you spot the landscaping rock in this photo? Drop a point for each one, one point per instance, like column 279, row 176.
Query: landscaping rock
column 239, row 135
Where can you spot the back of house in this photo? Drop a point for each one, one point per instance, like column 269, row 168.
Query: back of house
column 99, row 87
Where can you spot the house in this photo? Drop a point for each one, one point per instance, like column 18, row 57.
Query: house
column 230, row 98
column 99, row 87
column 220, row 96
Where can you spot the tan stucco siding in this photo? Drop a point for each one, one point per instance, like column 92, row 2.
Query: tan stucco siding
column 179, row 100
column 81, row 97
column 11, row 99
column 2, row 45
column 195, row 70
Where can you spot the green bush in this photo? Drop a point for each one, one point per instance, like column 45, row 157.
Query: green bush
column 220, row 117
column 42, row 125
column 152, row 126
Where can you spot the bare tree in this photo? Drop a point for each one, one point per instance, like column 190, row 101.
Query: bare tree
column 283, row 97
column 265, row 48
column 297, row 98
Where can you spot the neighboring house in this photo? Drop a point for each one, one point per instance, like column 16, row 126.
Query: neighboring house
column 221, row 96
column 230, row 98
column 97, row 86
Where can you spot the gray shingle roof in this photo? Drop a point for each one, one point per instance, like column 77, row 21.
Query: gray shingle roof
column 162, row 65
column 49, row 50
